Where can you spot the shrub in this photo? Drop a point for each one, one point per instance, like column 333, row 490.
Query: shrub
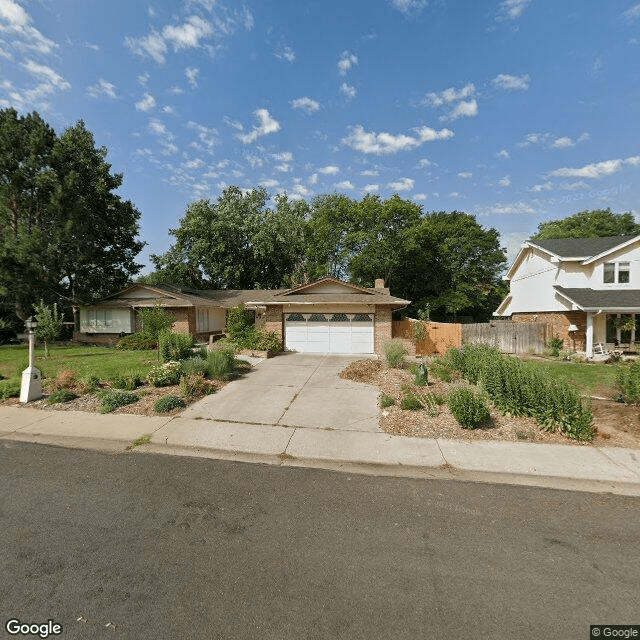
column 220, row 363
column 238, row 321
column 440, row 369
column 395, row 352
column 137, row 342
column 469, row 409
column 192, row 384
column 128, row 382
column 88, row 384
column 61, row 395
column 387, row 401
column 555, row 344
column 163, row 375
column 410, row 402
column 628, row 382
column 65, row 380
column 111, row 400
column 258, row 339
column 422, row 376
column 168, row 403
column 49, row 324
column 10, row 388
column 192, row 365
column 419, row 331
column 174, row 346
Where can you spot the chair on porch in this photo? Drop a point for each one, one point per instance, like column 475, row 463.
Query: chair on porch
column 600, row 349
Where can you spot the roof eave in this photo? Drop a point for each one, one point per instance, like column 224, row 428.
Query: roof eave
column 612, row 250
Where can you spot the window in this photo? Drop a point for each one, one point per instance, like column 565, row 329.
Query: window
column 99, row 317
column 339, row 317
column 362, row 317
column 317, row 317
column 616, row 272
column 295, row 317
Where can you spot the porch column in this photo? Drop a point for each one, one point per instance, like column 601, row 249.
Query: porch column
column 633, row 331
column 618, row 332
column 589, row 345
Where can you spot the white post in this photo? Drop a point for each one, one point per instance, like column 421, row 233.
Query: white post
column 589, row 345
column 633, row 331
column 31, row 386
column 618, row 332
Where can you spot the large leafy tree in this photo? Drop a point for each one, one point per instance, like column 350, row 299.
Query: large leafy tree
column 589, row 224
column 65, row 236
column 236, row 242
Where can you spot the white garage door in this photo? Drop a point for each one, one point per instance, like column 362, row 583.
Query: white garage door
column 329, row 332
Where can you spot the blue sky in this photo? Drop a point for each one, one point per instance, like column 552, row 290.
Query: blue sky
column 516, row 111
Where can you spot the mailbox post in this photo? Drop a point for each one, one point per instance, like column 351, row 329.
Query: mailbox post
column 31, row 387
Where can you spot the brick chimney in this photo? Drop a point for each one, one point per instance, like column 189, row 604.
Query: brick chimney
column 379, row 283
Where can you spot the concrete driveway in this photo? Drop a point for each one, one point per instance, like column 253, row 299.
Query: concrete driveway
column 296, row 390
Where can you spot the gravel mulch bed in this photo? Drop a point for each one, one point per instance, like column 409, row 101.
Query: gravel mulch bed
column 420, row 423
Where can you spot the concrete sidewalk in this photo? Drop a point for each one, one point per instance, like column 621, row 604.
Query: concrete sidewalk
column 582, row 468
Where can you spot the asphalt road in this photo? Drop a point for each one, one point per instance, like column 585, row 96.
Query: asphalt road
column 142, row 546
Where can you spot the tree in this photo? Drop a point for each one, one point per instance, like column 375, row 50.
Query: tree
column 65, row 236
column 589, row 224
column 236, row 242
column 49, row 324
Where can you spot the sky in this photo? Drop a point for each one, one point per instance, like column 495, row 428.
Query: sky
column 515, row 111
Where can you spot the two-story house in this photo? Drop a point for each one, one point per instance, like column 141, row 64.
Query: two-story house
column 578, row 286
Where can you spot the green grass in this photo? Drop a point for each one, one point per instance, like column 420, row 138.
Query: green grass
column 586, row 377
column 103, row 362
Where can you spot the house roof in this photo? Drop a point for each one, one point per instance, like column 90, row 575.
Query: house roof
column 602, row 299
column 173, row 296
column 580, row 247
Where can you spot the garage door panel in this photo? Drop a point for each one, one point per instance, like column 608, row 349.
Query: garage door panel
column 327, row 336
column 318, row 337
column 340, row 337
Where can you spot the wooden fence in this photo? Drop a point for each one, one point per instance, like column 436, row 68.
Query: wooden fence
column 508, row 337
column 440, row 336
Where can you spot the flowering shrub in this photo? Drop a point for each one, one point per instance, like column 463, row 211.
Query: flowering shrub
column 163, row 375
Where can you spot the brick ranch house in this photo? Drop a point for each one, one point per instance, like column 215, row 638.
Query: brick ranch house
column 325, row 316
column 579, row 287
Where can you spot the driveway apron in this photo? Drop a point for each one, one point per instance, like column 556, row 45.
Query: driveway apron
column 295, row 390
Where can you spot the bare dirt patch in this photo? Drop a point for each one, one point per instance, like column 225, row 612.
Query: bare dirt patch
column 617, row 424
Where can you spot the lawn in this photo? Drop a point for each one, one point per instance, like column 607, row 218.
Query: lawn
column 587, row 377
column 103, row 362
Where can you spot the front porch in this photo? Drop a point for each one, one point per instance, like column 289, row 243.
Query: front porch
column 615, row 331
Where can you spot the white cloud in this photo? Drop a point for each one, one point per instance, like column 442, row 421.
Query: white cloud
column 157, row 127
column 347, row 60
column 505, row 182
column 420, row 196
column 147, row 103
column 143, row 79
column 286, row 53
column 152, row 45
column 465, row 175
column 313, row 178
column 454, row 194
column 330, row 170
column 49, row 75
column 404, row 184
column 386, row 143
column 371, row 188
column 17, row 22
column 194, row 164
column 562, row 143
column 284, row 167
column 306, row 104
column 369, row 173
column 235, row 124
column 510, row 208
column 345, row 184
column 283, row 156
column 423, row 162
column 537, row 188
column 168, row 109
column 102, row 88
column 266, row 125
column 464, row 109
column 597, row 169
column 409, row 7
column 348, row 91
column 188, row 34
column 192, row 76
column 449, row 95
column 511, row 83
column 503, row 154
column 269, row 183
column 512, row 9
column 632, row 13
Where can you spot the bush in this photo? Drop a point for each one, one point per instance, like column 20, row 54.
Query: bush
column 65, row 380
column 168, row 403
column 422, row 376
column 128, row 382
column 192, row 365
column 192, row 384
column 467, row 408
column 10, row 388
column 111, row 400
column 258, row 339
column 628, row 382
column 163, row 375
column 137, row 342
column 387, row 401
column 174, row 346
column 555, row 344
column 238, row 321
column 411, row 403
column 62, row 395
column 220, row 363
column 395, row 352
column 88, row 384
column 154, row 320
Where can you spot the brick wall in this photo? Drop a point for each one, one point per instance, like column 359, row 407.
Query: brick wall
column 107, row 339
column 558, row 323
column 185, row 319
column 273, row 322
column 382, row 328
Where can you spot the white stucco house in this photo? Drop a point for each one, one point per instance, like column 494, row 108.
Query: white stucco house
column 578, row 286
